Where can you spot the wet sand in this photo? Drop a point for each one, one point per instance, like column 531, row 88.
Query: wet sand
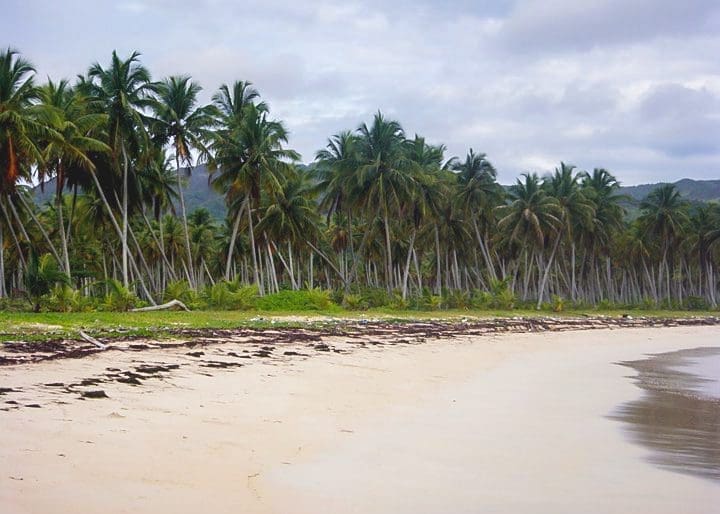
column 493, row 423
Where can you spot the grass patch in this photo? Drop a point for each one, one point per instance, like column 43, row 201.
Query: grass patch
column 28, row 326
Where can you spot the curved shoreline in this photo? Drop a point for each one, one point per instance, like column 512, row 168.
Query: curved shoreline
column 22, row 352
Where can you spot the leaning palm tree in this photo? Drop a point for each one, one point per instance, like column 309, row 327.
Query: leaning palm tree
column 123, row 92
column 180, row 122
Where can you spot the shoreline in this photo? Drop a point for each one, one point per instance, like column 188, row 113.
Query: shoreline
column 19, row 352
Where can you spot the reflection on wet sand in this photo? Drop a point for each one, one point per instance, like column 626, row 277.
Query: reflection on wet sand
column 678, row 417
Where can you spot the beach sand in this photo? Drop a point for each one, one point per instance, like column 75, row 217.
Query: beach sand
column 492, row 424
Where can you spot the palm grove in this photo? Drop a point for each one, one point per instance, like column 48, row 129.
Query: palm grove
column 379, row 218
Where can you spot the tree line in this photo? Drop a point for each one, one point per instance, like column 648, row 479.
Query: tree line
column 379, row 217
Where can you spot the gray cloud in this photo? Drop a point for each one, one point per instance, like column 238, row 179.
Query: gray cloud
column 632, row 86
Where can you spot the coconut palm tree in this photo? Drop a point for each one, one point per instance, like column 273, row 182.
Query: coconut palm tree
column 478, row 196
column 72, row 149
column 575, row 213
column 123, row 92
column 531, row 217
column 249, row 158
column 22, row 125
column 384, row 176
column 180, row 122
column 664, row 217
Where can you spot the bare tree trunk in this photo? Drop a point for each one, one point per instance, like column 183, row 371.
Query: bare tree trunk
column 407, row 263
column 252, row 246
column 44, row 233
column 541, row 287
column 181, row 196
column 233, row 238
column 14, row 235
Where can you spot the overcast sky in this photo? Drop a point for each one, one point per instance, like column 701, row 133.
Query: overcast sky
column 629, row 85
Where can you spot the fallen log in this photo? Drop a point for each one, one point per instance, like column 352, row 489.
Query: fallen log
column 92, row 340
column 168, row 305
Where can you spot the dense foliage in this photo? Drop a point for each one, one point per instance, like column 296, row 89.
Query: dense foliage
column 378, row 219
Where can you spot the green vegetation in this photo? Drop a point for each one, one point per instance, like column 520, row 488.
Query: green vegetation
column 28, row 326
column 379, row 220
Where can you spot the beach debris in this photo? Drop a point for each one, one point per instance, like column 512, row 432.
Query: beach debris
column 169, row 305
column 97, row 393
column 92, row 340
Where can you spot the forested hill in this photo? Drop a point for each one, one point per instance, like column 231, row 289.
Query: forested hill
column 694, row 190
column 198, row 192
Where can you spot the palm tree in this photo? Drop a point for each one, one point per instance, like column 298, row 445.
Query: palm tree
column 123, row 91
column 249, row 157
column 479, row 195
column 180, row 122
column 22, row 124
column 384, row 176
column 575, row 213
column 72, row 149
column 530, row 217
column 664, row 216
column 20, row 127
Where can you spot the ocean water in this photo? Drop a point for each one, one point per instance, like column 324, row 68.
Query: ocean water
column 678, row 416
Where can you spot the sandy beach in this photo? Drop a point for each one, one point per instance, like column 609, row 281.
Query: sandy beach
column 495, row 423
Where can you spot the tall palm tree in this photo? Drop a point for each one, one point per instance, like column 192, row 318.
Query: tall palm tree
column 180, row 122
column 479, row 195
column 664, row 216
column 20, row 127
column 22, row 124
column 249, row 158
column 72, row 149
column 384, row 176
column 123, row 91
column 575, row 213
column 531, row 216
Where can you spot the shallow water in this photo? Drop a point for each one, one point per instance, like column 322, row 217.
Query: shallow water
column 678, row 417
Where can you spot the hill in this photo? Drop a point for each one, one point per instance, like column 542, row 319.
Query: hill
column 199, row 194
column 693, row 190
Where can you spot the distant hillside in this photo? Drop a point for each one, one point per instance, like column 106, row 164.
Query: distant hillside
column 198, row 192
column 693, row 190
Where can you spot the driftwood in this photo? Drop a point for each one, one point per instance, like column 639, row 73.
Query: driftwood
column 168, row 305
column 92, row 340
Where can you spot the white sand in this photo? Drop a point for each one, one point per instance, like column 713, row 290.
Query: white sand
column 511, row 423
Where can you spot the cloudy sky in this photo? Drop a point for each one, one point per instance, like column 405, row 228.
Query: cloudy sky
column 629, row 85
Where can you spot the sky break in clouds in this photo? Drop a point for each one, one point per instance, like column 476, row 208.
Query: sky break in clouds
column 632, row 86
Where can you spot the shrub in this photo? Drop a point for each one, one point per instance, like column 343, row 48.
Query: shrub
column 305, row 300
column 696, row 303
column 63, row 298
column 375, row 297
column 353, row 302
column 119, row 297
column 558, row 303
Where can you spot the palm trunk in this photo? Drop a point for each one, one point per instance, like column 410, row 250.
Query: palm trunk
column 233, row 238
column 44, row 233
column 252, row 245
column 123, row 235
column 541, row 287
column 181, row 196
column 388, row 264
column 407, row 264
column 14, row 235
column 2, row 262
column 61, row 224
